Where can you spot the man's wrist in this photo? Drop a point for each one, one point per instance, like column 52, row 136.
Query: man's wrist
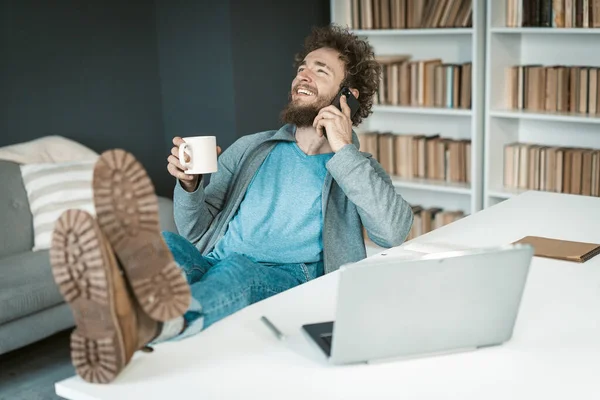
column 190, row 187
column 341, row 146
column 344, row 144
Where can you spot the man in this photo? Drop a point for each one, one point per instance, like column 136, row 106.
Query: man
column 285, row 207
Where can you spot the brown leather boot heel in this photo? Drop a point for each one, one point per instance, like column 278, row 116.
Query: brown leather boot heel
column 127, row 212
column 89, row 279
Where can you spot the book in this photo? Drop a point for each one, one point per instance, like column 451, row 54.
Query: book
column 561, row 249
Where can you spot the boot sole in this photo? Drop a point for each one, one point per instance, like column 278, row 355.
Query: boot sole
column 82, row 269
column 127, row 212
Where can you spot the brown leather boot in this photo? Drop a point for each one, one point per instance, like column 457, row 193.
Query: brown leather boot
column 127, row 212
column 110, row 325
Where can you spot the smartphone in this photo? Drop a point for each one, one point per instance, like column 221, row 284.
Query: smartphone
column 350, row 100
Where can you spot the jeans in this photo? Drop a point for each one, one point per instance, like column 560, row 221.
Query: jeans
column 221, row 287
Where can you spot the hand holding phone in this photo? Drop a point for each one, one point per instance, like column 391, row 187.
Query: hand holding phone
column 350, row 100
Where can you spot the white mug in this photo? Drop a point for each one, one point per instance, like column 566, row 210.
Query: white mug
column 202, row 151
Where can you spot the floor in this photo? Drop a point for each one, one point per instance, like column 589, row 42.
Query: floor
column 29, row 373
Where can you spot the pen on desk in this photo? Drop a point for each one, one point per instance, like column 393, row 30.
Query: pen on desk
column 273, row 328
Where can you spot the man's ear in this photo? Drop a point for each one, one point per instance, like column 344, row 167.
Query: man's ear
column 355, row 92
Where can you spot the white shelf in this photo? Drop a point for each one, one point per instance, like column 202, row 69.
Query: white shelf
column 506, row 193
column 432, row 185
column 507, row 47
column 542, row 116
column 412, row 32
column 547, row 31
column 457, row 112
column 451, row 46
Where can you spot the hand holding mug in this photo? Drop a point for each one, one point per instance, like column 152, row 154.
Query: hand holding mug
column 191, row 157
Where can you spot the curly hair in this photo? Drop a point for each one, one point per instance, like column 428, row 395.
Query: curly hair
column 363, row 72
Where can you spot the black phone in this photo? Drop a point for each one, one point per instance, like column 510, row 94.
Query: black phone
column 350, row 99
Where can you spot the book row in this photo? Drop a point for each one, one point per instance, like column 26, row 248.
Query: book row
column 408, row 14
column 428, row 219
column 424, row 83
column 554, row 169
column 419, row 155
column 566, row 89
column 553, row 13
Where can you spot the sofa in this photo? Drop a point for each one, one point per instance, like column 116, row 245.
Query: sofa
column 31, row 307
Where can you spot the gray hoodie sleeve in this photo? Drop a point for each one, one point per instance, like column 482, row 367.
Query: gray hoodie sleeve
column 195, row 211
column 386, row 216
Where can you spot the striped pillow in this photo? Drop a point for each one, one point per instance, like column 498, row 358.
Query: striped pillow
column 53, row 188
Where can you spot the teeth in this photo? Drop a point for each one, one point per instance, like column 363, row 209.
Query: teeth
column 307, row 92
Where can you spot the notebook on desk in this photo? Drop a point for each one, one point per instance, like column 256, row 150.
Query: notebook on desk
column 561, row 249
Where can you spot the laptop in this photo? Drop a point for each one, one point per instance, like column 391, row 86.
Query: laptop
column 439, row 303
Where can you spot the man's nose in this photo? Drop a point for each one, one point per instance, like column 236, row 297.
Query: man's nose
column 304, row 76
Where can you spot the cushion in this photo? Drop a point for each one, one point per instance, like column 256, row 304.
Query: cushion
column 47, row 149
column 16, row 234
column 54, row 188
column 26, row 285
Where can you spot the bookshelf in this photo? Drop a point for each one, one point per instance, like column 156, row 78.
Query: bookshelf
column 413, row 32
column 380, row 108
column 546, row 46
column 453, row 45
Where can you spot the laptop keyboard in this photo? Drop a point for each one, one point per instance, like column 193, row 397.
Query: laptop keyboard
column 327, row 339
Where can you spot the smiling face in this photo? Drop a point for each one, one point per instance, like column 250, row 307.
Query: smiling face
column 316, row 84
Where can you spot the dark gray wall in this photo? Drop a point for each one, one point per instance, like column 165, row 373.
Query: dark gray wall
column 266, row 36
column 226, row 67
column 86, row 70
column 111, row 73
column 194, row 46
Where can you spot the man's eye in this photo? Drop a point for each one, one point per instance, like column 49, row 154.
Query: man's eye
column 300, row 69
column 322, row 70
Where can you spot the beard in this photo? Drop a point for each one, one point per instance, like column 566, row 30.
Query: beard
column 303, row 115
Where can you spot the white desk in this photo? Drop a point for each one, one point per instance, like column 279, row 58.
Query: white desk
column 554, row 353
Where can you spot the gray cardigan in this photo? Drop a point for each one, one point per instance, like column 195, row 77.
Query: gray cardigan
column 357, row 192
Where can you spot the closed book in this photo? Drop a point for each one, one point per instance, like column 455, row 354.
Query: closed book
column 583, row 90
column 558, row 13
column 376, row 14
column 404, row 84
column 561, row 249
column 569, row 8
column 593, row 90
column 574, row 89
column 432, row 159
column 440, row 85
column 385, row 14
column 426, row 223
column 551, row 89
column 596, row 173
column 465, row 86
column 586, row 173
column 512, row 87
column 509, row 163
column 543, row 170
column 576, row 164
column 550, row 161
column 386, row 152
column 436, row 16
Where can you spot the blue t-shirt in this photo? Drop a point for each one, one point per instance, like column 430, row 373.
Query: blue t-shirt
column 280, row 219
